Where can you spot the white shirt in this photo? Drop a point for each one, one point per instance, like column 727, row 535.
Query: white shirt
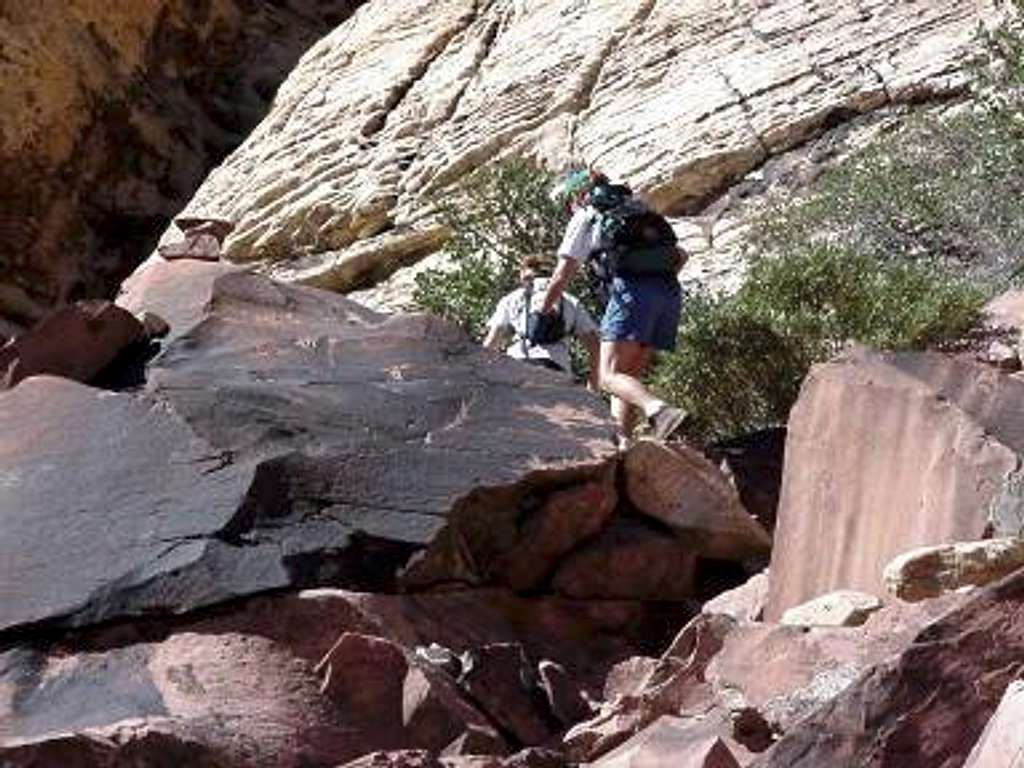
column 581, row 235
column 510, row 315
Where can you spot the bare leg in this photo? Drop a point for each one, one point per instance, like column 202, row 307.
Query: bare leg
column 622, row 363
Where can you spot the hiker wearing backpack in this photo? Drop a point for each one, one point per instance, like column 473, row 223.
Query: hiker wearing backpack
column 634, row 253
column 542, row 339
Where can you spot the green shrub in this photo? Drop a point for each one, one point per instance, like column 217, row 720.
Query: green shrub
column 499, row 215
column 740, row 359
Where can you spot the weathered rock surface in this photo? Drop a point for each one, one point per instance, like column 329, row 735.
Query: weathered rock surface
column 681, row 489
column 112, row 114
column 1002, row 743
column 929, row 571
column 285, row 436
column 747, row 682
column 744, row 603
column 584, row 541
column 886, row 453
column 926, row 706
column 672, row 742
column 844, row 608
column 76, row 342
column 680, row 101
column 315, row 679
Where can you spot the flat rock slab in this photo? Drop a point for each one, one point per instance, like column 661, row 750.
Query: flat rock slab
column 285, row 436
column 886, row 453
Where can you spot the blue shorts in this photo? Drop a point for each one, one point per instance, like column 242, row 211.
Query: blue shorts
column 643, row 308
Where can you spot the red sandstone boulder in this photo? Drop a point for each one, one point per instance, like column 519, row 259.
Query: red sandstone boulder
column 681, row 489
column 1002, row 743
column 926, row 706
column 314, row 680
column 673, row 742
column 76, row 342
column 886, row 453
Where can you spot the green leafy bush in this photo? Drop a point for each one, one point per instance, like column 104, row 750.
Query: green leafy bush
column 498, row 216
column 740, row 359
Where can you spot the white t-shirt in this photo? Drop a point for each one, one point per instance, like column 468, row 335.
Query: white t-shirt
column 580, row 235
column 510, row 315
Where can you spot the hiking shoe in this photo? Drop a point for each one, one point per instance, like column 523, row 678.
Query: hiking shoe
column 666, row 421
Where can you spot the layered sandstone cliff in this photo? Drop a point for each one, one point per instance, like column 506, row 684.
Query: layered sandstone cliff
column 693, row 103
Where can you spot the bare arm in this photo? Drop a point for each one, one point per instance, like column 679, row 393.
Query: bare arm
column 591, row 343
column 496, row 337
column 559, row 280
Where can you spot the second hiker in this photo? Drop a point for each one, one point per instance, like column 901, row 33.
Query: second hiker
column 542, row 339
column 634, row 252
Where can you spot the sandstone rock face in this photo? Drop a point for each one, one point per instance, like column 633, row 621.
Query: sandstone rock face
column 930, row 571
column 1002, row 743
column 315, row 679
column 926, row 706
column 887, row 453
column 284, row 436
column 76, row 342
column 112, row 114
column 681, row 101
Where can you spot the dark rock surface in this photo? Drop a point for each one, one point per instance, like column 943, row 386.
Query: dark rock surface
column 285, row 436
column 314, row 679
column 76, row 342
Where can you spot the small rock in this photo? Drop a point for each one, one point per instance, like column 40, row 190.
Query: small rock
column 1002, row 356
column 844, row 608
column 744, row 603
column 564, row 697
column 930, row 571
column 154, row 326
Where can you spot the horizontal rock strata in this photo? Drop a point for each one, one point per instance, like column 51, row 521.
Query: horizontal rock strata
column 681, row 101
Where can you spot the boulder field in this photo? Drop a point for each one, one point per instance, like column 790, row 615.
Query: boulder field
column 247, row 523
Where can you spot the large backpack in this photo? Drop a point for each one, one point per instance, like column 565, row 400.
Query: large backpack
column 631, row 239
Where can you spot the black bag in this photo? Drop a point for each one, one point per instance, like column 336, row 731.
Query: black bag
column 542, row 329
column 547, row 328
column 632, row 239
